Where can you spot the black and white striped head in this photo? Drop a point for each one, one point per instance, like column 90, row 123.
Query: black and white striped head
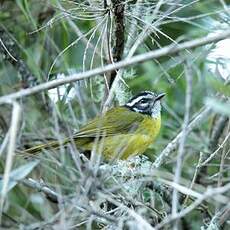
column 147, row 103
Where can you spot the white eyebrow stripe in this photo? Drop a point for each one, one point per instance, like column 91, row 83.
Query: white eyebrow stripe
column 133, row 102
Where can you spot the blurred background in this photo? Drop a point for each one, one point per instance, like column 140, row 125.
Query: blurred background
column 47, row 40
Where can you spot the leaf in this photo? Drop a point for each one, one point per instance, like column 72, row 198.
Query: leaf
column 220, row 86
column 24, row 6
column 218, row 106
column 18, row 174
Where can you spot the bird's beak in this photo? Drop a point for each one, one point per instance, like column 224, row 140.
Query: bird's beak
column 161, row 95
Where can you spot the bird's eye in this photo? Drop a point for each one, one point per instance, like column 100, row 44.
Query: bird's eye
column 143, row 101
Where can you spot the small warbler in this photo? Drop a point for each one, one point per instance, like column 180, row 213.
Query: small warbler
column 120, row 132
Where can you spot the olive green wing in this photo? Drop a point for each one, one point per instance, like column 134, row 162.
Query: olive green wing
column 118, row 120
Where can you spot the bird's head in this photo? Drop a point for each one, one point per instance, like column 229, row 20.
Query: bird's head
column 147, row 103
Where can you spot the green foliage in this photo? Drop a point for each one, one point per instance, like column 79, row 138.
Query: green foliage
column 219, row 107
column 53, row 38
column 18, row 174
column 220, row 86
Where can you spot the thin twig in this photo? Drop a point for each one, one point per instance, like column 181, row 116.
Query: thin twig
column 52, row 195
column 4, row 143
column 217, row 131
column 84, row 38
column 174, row 143
column 142, row 223
column 194, row 176
column 223, row 215
column 184, row 133
column 210, row 192
column 132, row 33
column 15, row 119
column 221, row 168
column 8, row 45
column 167, row 50
column 7, row 51
column 215, row 152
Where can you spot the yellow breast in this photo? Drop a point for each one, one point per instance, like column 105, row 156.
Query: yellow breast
column 122, row 146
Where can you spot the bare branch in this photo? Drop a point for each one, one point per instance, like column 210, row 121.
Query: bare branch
column 217, row 130
column 174, row 143
column 52, row 195
column 8, row 46
column 184, row 133
column 16, row 113
column 210, row 192
column 215, row 152
column 119, row 34
column 167, row 50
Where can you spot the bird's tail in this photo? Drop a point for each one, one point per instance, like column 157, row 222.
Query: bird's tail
column 47, row 146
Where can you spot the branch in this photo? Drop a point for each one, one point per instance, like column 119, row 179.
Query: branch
column 184, row 134
column 218, row 127
column 167, row 50
column 8, row 47
column 224, row 215
column 50, row 194
column 210, row 192
column 13, row 130
column 205, row 162
column 119, row 34
column 217, row 131
column 175, row 142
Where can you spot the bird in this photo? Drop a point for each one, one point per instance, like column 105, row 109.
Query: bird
column 119, row 133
